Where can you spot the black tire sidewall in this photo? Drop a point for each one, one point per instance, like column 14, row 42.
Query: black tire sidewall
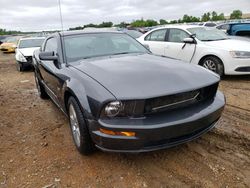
column 42, row 94
column 86, row 144
column 19, row 66
column 217, row 61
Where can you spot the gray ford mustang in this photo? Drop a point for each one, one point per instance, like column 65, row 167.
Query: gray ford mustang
column 121, row 98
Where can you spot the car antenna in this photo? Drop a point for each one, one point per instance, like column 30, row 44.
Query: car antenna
column 62, row 29
column 61, row 18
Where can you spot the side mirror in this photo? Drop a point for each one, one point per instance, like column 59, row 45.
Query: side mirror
column 189, row 40
column 48, row 56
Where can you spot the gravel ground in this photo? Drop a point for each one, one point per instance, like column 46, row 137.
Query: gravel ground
column 36, row 147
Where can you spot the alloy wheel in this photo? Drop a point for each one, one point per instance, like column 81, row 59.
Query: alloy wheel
column 74, row 124
column 210, row 65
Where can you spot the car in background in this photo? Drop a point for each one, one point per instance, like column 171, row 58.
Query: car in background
column 9, row 44
column 24, row 51
column 207, row 24
column 2, row 38
column 131, row 32
column 121, row 98
column 208, row 47
column 236, row 29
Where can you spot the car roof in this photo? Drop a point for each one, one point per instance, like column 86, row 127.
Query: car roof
column 179, row 26
column 30, row 38
column 78, row 32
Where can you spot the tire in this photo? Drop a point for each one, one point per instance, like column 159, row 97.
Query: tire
column 41, row 91
column 214, row 64
column 20, row 67
column 79, row 128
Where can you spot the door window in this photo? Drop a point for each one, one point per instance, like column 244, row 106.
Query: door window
column 177, row 35
column 158, row 35
column 51, row 45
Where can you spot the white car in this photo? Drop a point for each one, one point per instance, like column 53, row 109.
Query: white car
column 208, row 47
column 25, row 49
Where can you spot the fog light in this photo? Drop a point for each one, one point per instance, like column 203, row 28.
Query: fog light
column 117, row 133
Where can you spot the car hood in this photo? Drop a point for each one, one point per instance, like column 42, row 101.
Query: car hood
column 145, row 76
column 230, row 44
column 27, row 51
column 7, row 44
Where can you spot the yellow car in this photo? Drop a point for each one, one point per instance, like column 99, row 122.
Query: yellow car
column 9, row 44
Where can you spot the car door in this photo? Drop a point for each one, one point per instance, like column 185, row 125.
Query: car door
column 176, row 48
column 50, row 69
column 156, row 41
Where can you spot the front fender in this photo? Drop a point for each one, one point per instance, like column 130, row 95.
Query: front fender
column 89, row 93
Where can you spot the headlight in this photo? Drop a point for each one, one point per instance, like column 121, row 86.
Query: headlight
column 130, row 108
column 20, row 57
column 240, row 54
column 13, row 45
column 113, row 108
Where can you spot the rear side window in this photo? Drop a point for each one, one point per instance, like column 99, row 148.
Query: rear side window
column 158, row 35
column 51, row 45
column 177, row 35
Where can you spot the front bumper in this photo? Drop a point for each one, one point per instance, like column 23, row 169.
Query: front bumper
column 238, row 66
column 158, row 131
column 8, row 49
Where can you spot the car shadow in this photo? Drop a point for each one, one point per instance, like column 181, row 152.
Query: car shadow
column 236, row 78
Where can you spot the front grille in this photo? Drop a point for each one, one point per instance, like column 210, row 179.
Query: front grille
column 29, row 59
column 179, row 100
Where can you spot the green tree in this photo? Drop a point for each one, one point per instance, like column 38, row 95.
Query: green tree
column 122, row 25
column 236, row 14
column 173, row 21
column 214, row 16
column 206, row 17
column 150, row 23
column 105, row 24
column 221, row 17
column 163, row 22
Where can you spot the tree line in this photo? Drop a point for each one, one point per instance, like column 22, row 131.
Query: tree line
column 208, row 16
column 5, row 32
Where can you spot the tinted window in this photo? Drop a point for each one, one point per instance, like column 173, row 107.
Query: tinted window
column 51, row 45
column 224, row 27
column 177, row 35
column 158, row 35
column 210, row 24
column 100, row 44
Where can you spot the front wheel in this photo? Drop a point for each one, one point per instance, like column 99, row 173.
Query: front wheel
column 41, row 91
column 20, row 67
column 79, row 128
column 214, row 64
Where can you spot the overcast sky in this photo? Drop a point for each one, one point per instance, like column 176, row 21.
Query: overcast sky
column 35, row 15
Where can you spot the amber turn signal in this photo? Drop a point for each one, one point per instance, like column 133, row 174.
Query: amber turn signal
column 117, row 133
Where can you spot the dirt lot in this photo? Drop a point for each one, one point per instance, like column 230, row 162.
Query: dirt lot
column 36, row 147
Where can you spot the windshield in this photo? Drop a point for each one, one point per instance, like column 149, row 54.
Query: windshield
column 207, row 34
column 30, row 43
column 100, row 44
column 11, row 39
